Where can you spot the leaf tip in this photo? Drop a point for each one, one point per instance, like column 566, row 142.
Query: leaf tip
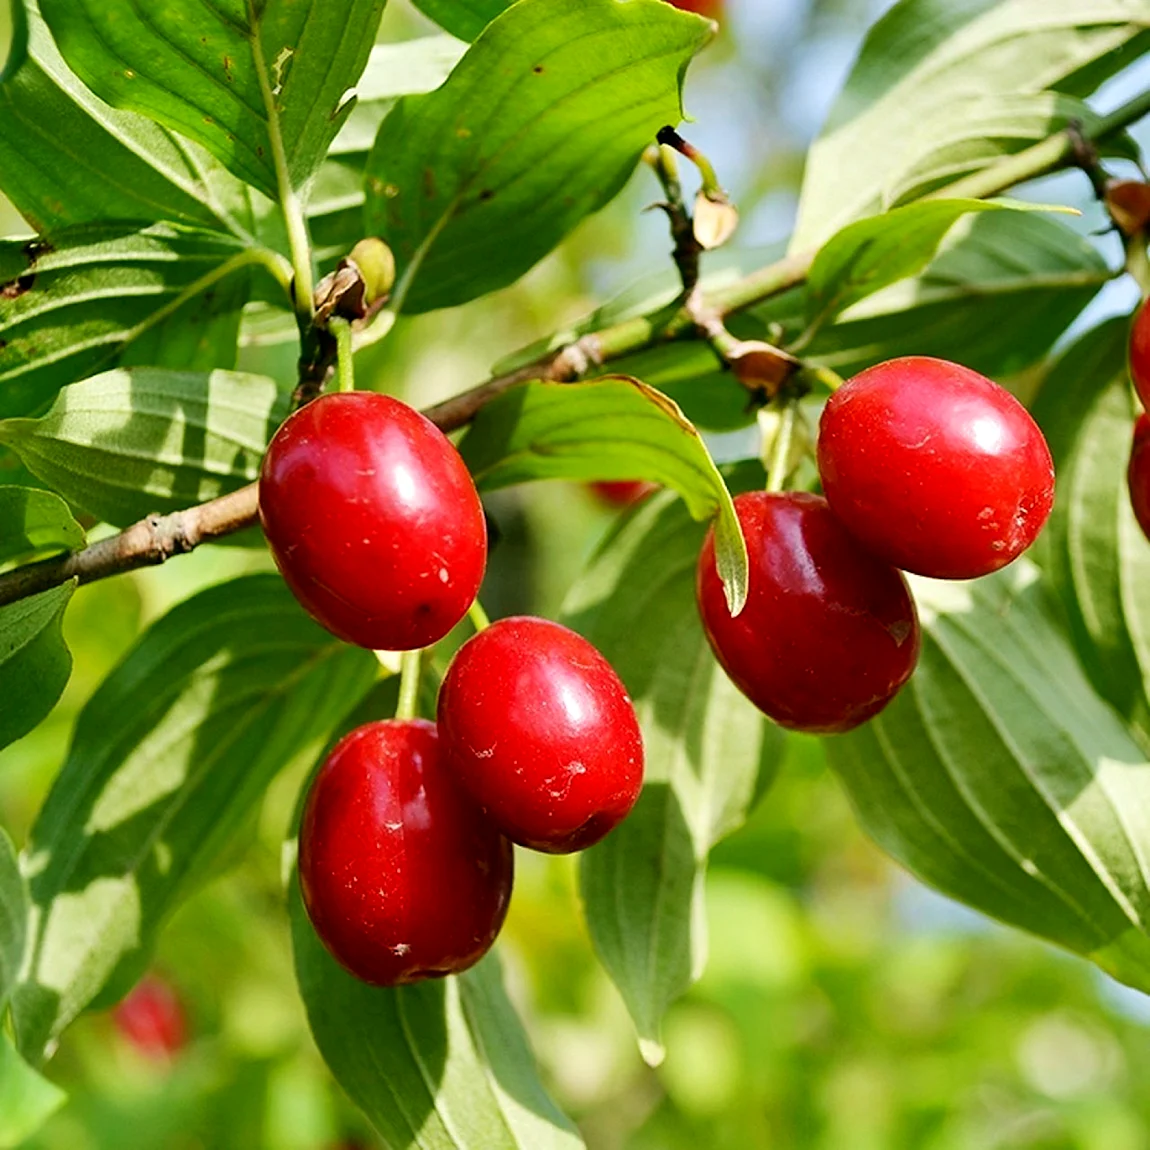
column 652, row 1051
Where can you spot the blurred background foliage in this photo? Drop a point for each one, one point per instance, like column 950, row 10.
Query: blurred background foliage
column 843, row 1005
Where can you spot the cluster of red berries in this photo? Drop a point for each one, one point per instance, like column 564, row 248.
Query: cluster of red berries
column 405, row 856
column 1138, row 472
column 926, row 467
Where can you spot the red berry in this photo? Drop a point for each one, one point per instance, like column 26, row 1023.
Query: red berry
column 152, row 1019
column 712, row 9
column 401, row 874
column 373, row 520
column 1140, row 353
column 1138, row 473
column 622, row 492
column 538, row 728
column 828, row 634
column 935, row 468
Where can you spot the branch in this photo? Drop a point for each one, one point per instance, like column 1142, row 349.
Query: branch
column 156, row 539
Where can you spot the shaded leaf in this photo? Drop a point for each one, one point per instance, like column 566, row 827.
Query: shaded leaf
column 67, row 158
column 1096, row 556
column 442, row 1064
column 539, row 125
column 169, row 757
column 13, row 920
column 84, row 298
column 1000, row 777
column 871, row 254
column 709, row 756
column 35, row 523
column 134, row 441
column 462, row 18
column 610, row 428
column 897, row 124
column 243, row 80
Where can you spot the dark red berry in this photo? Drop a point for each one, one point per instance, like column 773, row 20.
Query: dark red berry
column 1138, row 473
column 538, row 728
column 151, row 1019
column 828, row 634
column 622, row 492
column 1140, row 353
column 935, row 468
column 402, row 875
column 373, row 520
column 712, row 9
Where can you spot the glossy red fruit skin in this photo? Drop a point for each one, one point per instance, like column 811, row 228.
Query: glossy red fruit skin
column 1140, row 353
column 401, row 874
column 829, row 633
column 1138, row 473
column 712, row 9
column 151, row 1019
column 539, row 730
column 373, row 520
column 935, row 468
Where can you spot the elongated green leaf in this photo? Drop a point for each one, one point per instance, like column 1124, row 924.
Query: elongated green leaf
column 86, row 297
column 709, row 755
column 1097, row 558
column 1000, row 777
column 462, row 18
column 134, row 441
column 538, row 126
column 34, row 660
column 246, row 80
column 168, row 758
column 35, row 523
column 442, row 1065
column 335, row 197
column 873, row 253
column 67, row 158
column 610, row 428
column 27, row 1100
column 926, row 66
column 13, row 918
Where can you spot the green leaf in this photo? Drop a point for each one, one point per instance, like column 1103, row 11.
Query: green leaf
column 538, row 126
column 941, row 89
column 462, row 18
column 27, row 1100
column 67, row 158
column 134, row 441
column 873, row 253
column 252, row 82
column 35, row 523
column 1096, row 556
column 998, row 776
column 709, row 756
column 442, row 1065
column 610, row 428
column 335, row 197
column 34, row 661
column 89, row 296
column 169, row 757
column 13, row 920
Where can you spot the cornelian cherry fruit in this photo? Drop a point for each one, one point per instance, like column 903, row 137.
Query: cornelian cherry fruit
column 621, row 492
column 712, row 9
column 828, row 634
column 401, row 874
column 538, row 728
column 151, row 1019
column 1138, row 473
column 373, row 520
column 1140, row 353
column 934, row 468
